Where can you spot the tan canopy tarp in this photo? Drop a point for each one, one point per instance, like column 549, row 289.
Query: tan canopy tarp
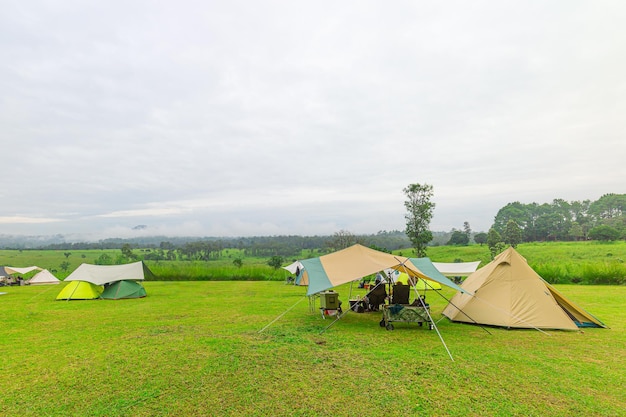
column 509, row 293
column 354, row 263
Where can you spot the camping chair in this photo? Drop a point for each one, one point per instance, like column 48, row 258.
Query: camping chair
column 376, row 297
column 400, row 294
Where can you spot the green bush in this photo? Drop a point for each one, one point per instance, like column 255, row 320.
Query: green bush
column 553, row 273
column 612, row 273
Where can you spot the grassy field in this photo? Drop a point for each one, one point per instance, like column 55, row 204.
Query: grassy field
column 253, row 268
column 194, row 349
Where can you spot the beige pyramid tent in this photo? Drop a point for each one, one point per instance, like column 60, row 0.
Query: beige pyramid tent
column 44, row 277
column 509, row 293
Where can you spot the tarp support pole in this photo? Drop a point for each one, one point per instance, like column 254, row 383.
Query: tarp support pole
column 428, row 312
column 475, row 322
column 436, row 329
column 73, row 291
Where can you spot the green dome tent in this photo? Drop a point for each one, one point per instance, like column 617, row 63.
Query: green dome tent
column 123, row 289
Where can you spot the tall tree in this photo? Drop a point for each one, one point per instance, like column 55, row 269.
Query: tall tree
column 604, row 232
column 512, row 234
column 127, row 251
column 467, row 230
column 513, row 211
column 419, row 213
column 275, row 261
column 480, row 238
column 458, row 238
column 576, row 231
column 341, row 240
column 609, row 206
column 494, row 242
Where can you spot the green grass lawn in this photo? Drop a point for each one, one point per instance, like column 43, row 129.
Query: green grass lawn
column 194, row 349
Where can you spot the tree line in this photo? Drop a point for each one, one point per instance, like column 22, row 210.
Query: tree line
column 211, row 248
column 514, row 223
column 561, row 220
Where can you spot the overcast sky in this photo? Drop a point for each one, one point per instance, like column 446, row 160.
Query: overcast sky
column 241, row 118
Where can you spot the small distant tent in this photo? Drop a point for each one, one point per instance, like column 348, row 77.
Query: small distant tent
column 456, row 269
column 295, row 269
column 44, row 277
column 509, row 293
column 123, row 289
column 80, row 290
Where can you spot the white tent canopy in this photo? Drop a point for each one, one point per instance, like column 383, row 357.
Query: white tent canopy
column 44, row 277
column 105, row 274
column 294, row 268
column 456, row 269
column 16, row 270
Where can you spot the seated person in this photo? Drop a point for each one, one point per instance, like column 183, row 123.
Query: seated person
column 376, row 296
column 400, row 294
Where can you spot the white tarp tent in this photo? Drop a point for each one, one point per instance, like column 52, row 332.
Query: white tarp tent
column 44, row 277
column 456, row 269
column 105, row 274
column 7, row 270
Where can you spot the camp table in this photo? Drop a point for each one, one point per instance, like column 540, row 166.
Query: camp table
column 406, row 314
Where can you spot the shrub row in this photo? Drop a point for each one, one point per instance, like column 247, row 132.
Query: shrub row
column 609, row 273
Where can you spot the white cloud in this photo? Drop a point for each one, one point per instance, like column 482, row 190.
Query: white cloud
column 8, row 220
column 250, row 118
